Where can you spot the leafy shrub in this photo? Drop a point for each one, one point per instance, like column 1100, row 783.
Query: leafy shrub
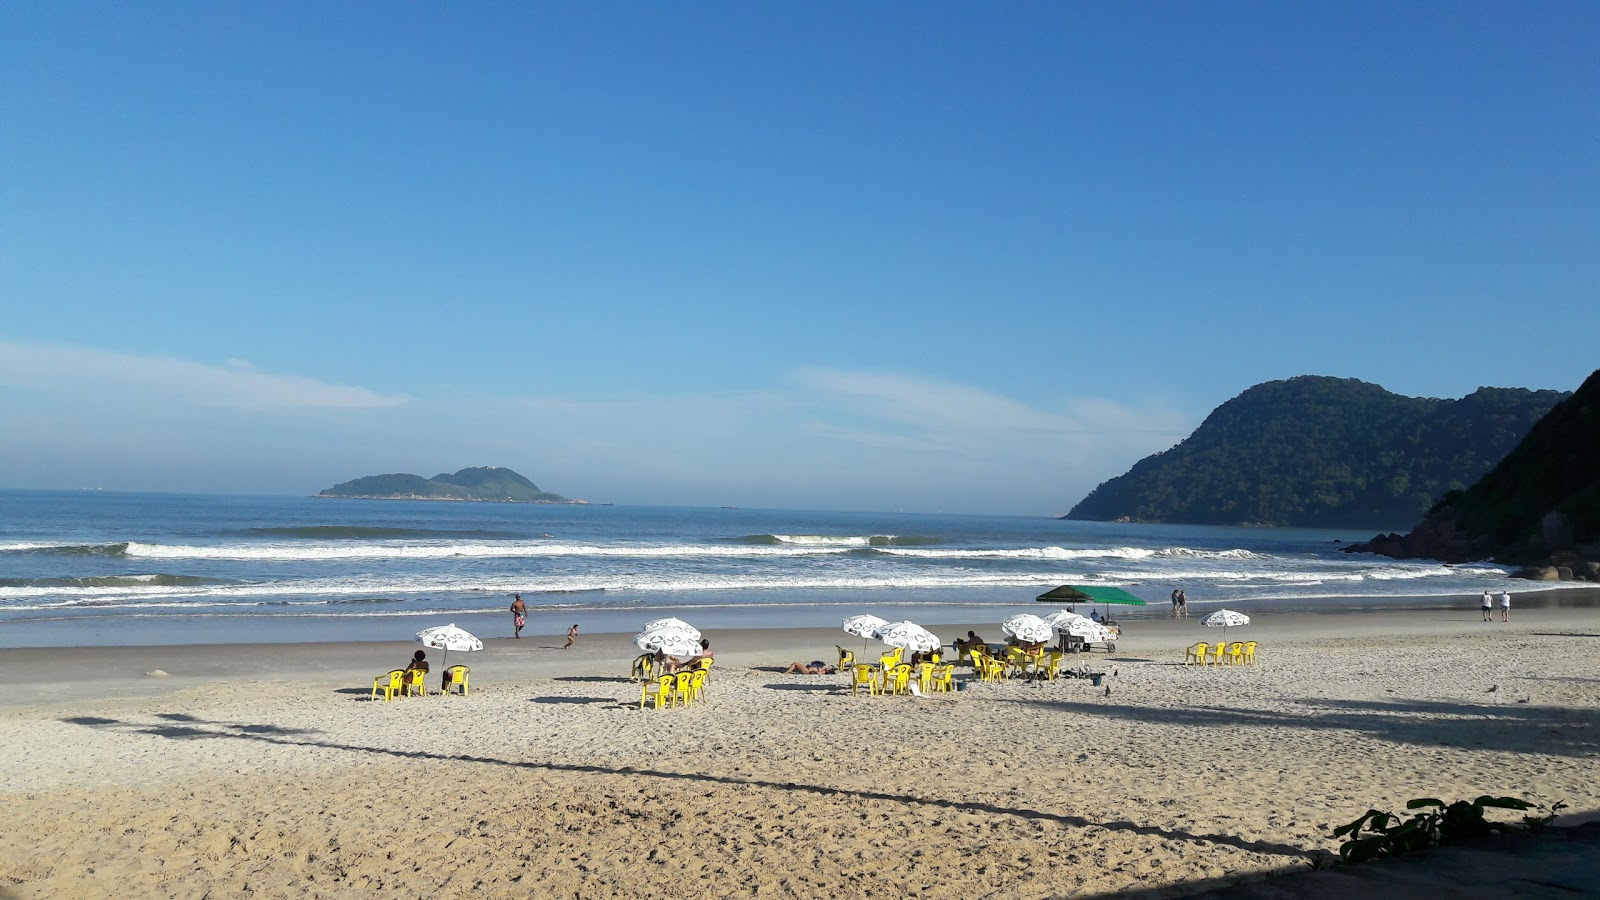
column 1379, row 834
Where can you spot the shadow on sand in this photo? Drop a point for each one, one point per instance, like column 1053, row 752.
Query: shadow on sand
column 1514, row 728
column 194, row 729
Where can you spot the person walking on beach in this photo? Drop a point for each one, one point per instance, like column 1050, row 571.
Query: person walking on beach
column 1183, row 604
column 1174, row 603
column 572, row 637
column 1488, row 607
column 519, row 612
column 1505, row 607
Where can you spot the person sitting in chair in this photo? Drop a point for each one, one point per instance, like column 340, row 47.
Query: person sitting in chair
column 705, row 653
column 419, row 662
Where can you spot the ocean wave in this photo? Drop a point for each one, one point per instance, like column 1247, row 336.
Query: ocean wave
column 356, row 551
column 112, row 549
column 837, row 540
column 102, row 581
column 373, row 532
column 1131, row 553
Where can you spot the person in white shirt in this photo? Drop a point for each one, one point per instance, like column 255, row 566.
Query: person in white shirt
column 1505, row 607
column 1488, row 607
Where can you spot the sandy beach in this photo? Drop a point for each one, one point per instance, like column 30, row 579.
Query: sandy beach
column 265, row 771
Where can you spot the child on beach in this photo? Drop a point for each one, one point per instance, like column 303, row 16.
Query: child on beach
column 572, row 637
column 519, row 611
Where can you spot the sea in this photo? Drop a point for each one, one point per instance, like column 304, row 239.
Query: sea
column 100, row 568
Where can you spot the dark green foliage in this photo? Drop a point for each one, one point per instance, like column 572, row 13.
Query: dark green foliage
column 1379, row 834
column 1555, row 469
column 1325, row 452
column 481, row 483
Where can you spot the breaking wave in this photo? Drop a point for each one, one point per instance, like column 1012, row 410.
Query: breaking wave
column 837, row 540
column 370, row 532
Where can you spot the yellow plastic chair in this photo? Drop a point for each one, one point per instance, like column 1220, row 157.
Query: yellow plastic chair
column 644, row 667
column 389, row 685
column 925, row 677
column 1221, row 653
column 685, row 689
column 1236, row 653
column 414, row 683
column 658, row 691
column 1052, row 664
column 890, row 660
column 936, row 657
column 697, row 685
column 1197, row 654
column 704, row 666
column 991, row 669
column 945, row 679
column 1033, row 661
column 455, row 677
column 847, row 658
column 1250, row 652
column 900, row 679
column 865, row 676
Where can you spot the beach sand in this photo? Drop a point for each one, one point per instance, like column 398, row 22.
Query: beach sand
column 264, row 770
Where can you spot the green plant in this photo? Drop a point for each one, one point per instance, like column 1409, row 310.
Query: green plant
column 1379, row 834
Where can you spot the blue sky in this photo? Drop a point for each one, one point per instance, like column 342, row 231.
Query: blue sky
column 921, row 256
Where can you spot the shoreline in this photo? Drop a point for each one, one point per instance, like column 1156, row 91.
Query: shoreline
column 280, row 630
column 77, row 673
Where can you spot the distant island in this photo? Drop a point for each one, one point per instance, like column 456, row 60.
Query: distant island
column 484, row 484
column 1320, row 452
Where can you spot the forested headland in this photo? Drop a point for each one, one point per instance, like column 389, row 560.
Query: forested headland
column 1321, row 452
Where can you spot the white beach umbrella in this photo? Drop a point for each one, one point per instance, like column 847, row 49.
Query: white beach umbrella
column 909, row 636
column 1058, row 620
column 447, row 638
column 1027, row 627
column 1088, row 629
column 864, row 627
column 1225, row 619
column 670, row 623
column 671, row 641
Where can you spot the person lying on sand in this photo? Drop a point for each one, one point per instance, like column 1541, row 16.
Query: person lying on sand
column 817, row 667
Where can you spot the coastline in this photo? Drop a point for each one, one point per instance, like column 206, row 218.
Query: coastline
column 255, row 767
column 195, row 629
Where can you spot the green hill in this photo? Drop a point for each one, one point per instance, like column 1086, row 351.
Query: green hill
column 483, row 483
column 1540, row 503
column 1314, row 451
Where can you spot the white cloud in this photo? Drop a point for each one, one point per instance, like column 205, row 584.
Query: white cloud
column 894, row 408
column 66, row 368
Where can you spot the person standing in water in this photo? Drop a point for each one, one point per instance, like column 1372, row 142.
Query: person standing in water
column 519, row 613
column 572, row 637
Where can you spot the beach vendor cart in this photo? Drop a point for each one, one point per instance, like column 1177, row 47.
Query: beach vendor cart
column 1083, row 635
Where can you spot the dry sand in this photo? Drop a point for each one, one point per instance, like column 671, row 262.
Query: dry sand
column 263, row 771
